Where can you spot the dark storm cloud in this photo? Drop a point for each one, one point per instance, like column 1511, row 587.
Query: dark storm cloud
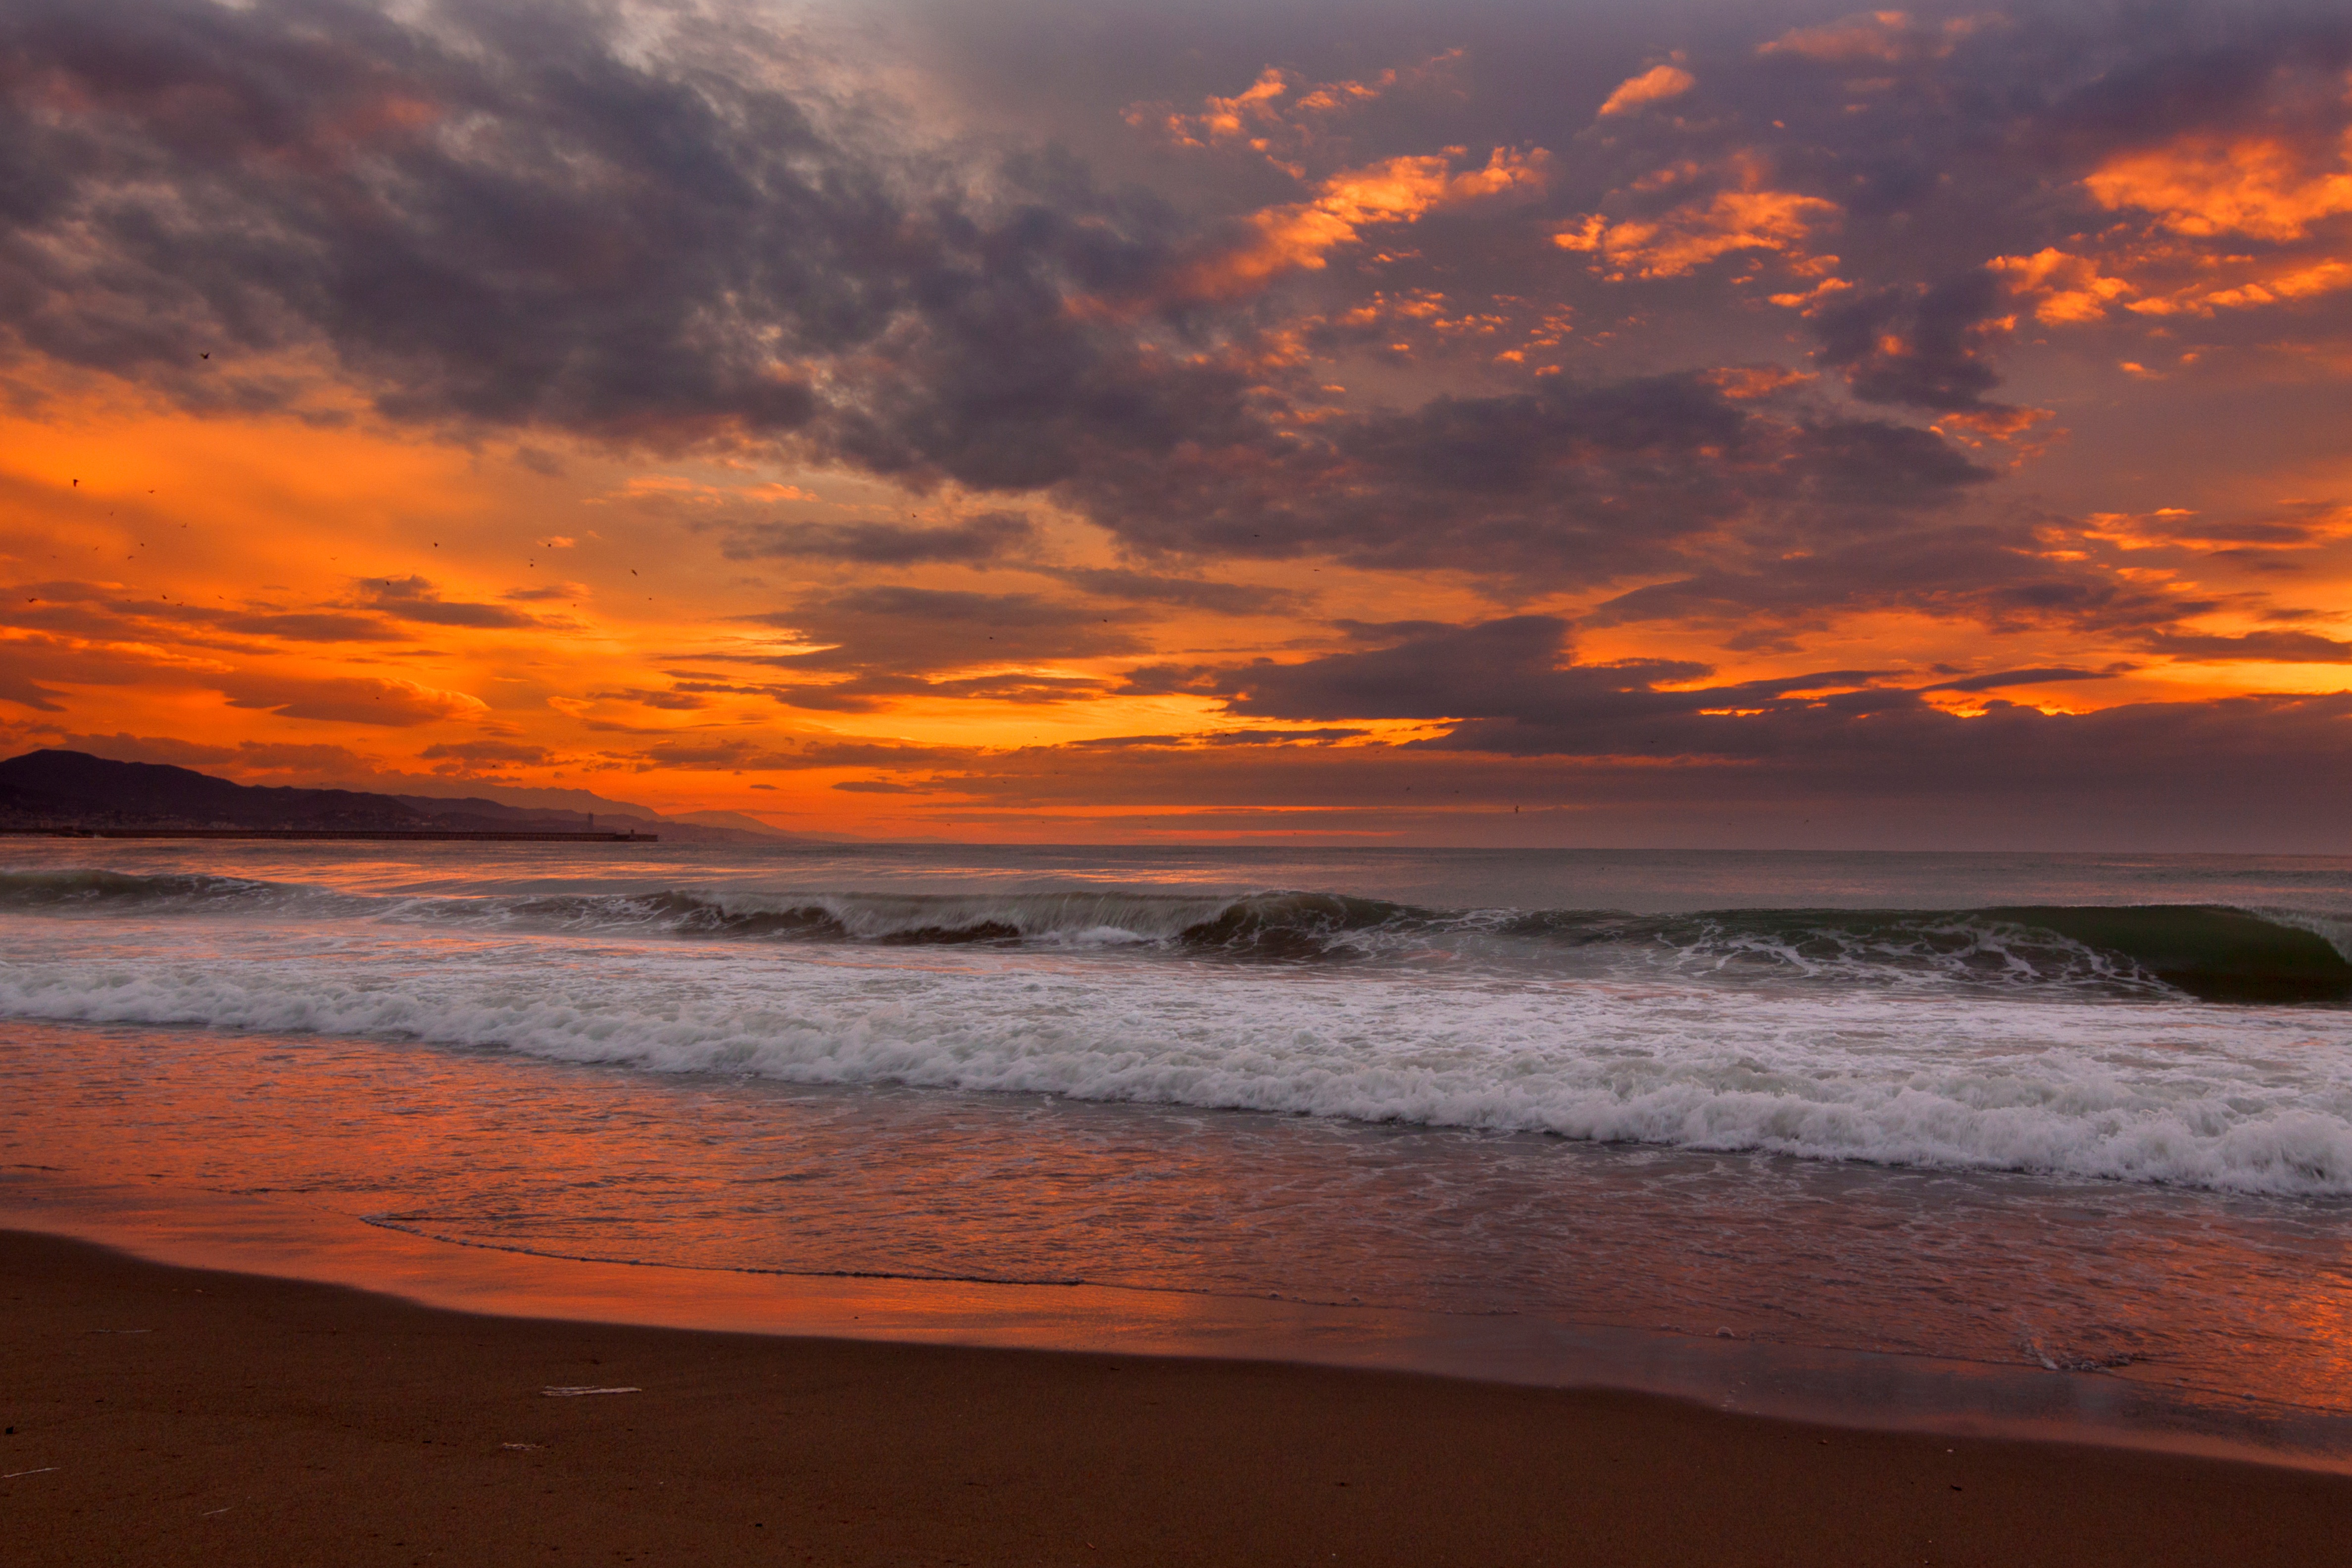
column 1507, row 689
column 1571, row 484
column 974, row 541
column 1188, row 593
column 1509, row 686
column 509, row 214
column 2208, row 78
column 675, row 227
column 501, row 216
column 436, row 203
column 2250, row 771
column 1992, row 574
column 1443, row 675
column 1922, row 348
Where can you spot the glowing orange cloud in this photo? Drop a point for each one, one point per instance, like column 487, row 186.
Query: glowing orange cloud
column 1652, row 86
column 2070, row 288
column 1222, row 118
column 2261, row 186
column 1749, row 217
column 1301, row 235
column 1273, row 115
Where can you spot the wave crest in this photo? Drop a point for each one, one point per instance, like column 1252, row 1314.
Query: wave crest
column 2211, row 951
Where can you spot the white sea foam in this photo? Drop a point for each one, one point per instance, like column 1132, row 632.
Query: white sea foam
column 2226, row 1098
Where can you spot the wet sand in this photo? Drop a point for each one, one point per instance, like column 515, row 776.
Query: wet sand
column 170, row 1415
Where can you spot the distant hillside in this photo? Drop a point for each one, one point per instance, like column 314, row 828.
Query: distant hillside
column 52, row 788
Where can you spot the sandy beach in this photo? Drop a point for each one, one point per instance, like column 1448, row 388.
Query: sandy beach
column 161, row 1416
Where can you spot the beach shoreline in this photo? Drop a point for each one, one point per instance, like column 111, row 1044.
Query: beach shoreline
column 272, row 1236
column 166, row 1415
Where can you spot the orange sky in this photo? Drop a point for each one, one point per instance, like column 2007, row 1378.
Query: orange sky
column 1667, row 377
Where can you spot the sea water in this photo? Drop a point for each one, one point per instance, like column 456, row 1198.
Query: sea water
column 2076, row 1117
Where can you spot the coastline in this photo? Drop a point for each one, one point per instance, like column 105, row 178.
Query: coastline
column 281, row 1237
column 167, row 1415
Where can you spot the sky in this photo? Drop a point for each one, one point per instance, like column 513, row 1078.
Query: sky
column 1708, row 425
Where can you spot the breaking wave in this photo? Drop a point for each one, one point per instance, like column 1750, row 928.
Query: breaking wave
column 2212, row 953
column 2173, row 1094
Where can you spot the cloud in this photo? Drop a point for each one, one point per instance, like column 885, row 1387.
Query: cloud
column 1514, row 664
column 1652, row 86
column 680, row 700
column 1283, row 118
column 986, row 537
column 1872, row 39
column 415, row 598
column 2002, row 679
column 1323, row 315
column 27, row 693
column 1746, row 216
column 1297, row 236
column 350, row 700
column 438, row 198
column 1995, row 574
column 1509, row 689
column 31, row 663
column 911, row 630
column 1569, row 484
column 2257, row 187
column 105, row 611
column 480, row 752
column 879, row 645
column 316, row 627
column 1190, row 593
column 1925, row 347
column 2067, row 289
column 2272, row 648
column 1324, row 736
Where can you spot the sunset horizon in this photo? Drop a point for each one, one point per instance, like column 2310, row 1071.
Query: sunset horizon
column 1733, row 428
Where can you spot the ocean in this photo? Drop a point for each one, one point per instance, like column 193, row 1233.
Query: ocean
column 1884, row 1137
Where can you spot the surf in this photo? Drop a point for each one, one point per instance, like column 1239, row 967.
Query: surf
column 2212, row 953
